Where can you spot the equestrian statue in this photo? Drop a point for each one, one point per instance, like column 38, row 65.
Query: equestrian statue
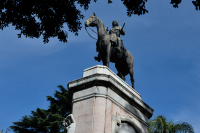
column 110, row 47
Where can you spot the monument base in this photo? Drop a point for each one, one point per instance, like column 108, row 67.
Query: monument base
column 104, row 103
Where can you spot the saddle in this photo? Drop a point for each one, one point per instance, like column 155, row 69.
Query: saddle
column 113, row 38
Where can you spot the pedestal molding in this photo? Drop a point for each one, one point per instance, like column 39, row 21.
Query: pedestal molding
column 109, row 81
column 114, row 101
column 100, row 95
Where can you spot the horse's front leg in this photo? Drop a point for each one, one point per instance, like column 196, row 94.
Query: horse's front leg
column 108, row 53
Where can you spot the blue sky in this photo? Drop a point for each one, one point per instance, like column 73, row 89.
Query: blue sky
column 163, row 42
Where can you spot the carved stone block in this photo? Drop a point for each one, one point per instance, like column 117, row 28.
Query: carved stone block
column 104, row 103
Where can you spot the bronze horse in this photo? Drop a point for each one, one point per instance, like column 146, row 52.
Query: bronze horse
column 106, row 52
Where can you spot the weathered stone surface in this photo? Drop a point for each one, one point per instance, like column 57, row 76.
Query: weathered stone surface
column 99, row 69
column 99, row 96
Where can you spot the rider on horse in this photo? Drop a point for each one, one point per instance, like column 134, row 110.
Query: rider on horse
column 115, row 35
column 115, row 39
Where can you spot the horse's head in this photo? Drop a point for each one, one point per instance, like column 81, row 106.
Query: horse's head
column 91, row 21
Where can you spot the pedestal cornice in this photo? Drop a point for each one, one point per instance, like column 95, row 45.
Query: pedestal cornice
column 94, row 77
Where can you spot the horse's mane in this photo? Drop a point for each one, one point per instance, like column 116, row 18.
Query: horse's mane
column 100, row 21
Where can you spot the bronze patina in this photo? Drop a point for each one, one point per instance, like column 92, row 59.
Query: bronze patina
column 115, row 35
column 110, row 47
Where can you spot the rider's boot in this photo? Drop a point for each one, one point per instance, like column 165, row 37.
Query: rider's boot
column 98, row 58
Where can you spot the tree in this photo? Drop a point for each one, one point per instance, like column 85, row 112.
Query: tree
column 47, row 17
column 47, row 121
column 6, row 130
column 160, row 125
column 50, row 120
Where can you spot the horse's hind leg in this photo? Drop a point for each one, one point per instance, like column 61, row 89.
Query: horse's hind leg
column 130, row 62
column 119, row 71
column 121, row 75
column 131, row 76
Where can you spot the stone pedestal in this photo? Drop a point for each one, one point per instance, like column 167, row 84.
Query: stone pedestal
column 104, row 103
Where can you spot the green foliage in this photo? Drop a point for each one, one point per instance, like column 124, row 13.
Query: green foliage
column 175, row 3
column 196, row 4
column 47, row 17
column 47, row 121
column 160, row 125
column 6, row 130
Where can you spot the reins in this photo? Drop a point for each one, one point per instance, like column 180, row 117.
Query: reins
column 92, row 30
column 89, row 34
